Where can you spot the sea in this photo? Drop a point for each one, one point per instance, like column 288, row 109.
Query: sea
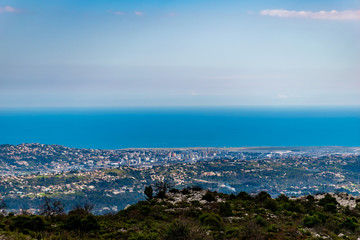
column 118, row 128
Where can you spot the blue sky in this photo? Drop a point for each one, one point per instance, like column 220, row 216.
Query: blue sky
column 94, row 53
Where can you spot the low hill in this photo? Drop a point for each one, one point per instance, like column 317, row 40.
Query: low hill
column 194, row 213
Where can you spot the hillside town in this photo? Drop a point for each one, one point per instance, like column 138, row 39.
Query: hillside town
column 41, row 158
column 113, row 179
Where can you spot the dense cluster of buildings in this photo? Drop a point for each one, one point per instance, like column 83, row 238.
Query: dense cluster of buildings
column 30, row 158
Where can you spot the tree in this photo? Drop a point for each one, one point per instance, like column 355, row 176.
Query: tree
column 3, row 206
column 162, row 187
column 262, row 196
column 82, row 209
column 148, row 193
column 51, row 208
column 329, row 203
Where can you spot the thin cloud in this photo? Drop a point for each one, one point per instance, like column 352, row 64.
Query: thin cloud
column 116, row 12
column 119, row 13
column 9, row 9
column 137, row 13
column 323, row 15
column 172, row 14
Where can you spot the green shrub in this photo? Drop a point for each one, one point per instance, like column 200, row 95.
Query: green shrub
column 260, row 220
column 330, row 207
column 174, row 190
column 311, row 221
column 145, row 210
column 232, row 233
column 349, row 223
column 262, row 196
column 73, row 222
column 328, row 199
column 273, row 228
column 293, row 206
column 211, row 220
column 85, row 224
column 177, row 230
column 209, row 196
column 225, row 209
column 195, row 203
column 25, row 223
column 185, row 191
column 282, row 198
column 196, row 188
column 271, row 204
column 144, row 236
column 310, row 198
column 244, row 196
column 89, row 223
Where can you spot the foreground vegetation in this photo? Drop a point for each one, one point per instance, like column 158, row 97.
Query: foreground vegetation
column 193, row 213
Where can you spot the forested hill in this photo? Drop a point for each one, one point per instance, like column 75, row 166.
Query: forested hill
column 193, row 213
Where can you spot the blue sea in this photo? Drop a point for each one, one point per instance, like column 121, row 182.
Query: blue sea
column 182, row 127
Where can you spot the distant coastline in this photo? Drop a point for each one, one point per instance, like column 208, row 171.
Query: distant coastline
column 240, row 149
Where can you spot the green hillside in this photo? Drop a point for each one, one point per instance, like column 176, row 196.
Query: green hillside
column 193, row 213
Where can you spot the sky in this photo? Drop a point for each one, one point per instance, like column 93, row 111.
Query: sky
column 95, row 53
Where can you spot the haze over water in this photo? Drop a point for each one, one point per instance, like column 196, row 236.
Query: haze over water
column 183, row 127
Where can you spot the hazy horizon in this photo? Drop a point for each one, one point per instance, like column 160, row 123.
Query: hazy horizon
column 64, row 54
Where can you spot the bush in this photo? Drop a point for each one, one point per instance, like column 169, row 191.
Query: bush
column 89, row 223
column 311, row 221
column 262, row 196
column 73, row 222
column 253, row 231
column 310, row 198
column 273, row 228
column 244, row 196
column 260, row 221
column 225, row 209
column 145, row 210
column 195, row 203
column 271, row 204
column 232, row 233
column 282, row 198
column 185, row 191
column 293, row 206
column 330, row 207
column 349, row 223
column 144, row 236
column 174, row 190
column 177, row 231
column 211, row 220
column 328, row 199
column 196, row 188
column 32, row 223
column 85, row 224
column 209, row 196
column 232, row 197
